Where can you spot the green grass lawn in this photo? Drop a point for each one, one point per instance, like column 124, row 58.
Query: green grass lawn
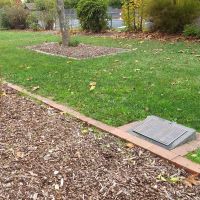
column 157, row 78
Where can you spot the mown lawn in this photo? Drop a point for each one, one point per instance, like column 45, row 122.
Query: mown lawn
column 155, row 78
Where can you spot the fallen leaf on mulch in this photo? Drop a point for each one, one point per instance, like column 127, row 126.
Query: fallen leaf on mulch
column 85, row 131
column 61, row 182
column 56, row 187
column 35, row 196
column 3, row 94
column 130, row 145
column 191, row 180
column 63, row 113
column 78, row 154
column 19, row 154
column 175, row 179
column 161, row 178
column 172, row 179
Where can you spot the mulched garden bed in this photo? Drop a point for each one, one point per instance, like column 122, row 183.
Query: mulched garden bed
column 82, row 51
column 45, row 154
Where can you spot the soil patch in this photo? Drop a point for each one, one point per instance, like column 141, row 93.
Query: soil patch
column 45, row 154
column 82, row 51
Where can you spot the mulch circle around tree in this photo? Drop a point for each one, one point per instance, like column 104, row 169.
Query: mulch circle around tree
column 82, row 51
column 45, row 154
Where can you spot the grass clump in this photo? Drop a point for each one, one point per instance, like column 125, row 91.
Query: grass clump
column 194, row 156
column 192, row 30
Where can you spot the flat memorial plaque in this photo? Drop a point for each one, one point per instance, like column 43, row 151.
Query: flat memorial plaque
column 163, row 132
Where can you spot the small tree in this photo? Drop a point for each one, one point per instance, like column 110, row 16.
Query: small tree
column 63, row 23
column 93, row 15
column 48, row 12
column 133, row 14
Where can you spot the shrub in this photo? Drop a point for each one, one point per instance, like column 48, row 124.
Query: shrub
column 4, row 21
column 48, row 18
column 171, row 16
column 72, row 43
column 16, row 16
column 92, row 15
column 48, row 12
column 192, row 30
column 32, row 22
column 4, row 3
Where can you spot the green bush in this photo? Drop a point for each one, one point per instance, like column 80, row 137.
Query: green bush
column 73, row 43
column 4, row 21
column 92, row 15
column 4, row 3
column 192, row 30
column 32, row 22
column 171, row 16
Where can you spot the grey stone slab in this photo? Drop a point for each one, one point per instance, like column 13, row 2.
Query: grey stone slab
column 162, row 132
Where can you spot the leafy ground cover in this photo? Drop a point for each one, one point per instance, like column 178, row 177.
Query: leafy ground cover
column 159, row 78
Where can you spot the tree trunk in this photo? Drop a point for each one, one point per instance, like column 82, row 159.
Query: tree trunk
column 63, row 23
column 142, row 14
column 128, row 15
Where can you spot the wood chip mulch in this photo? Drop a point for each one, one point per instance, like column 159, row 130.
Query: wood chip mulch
column 82, row 51
column 45, row 154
